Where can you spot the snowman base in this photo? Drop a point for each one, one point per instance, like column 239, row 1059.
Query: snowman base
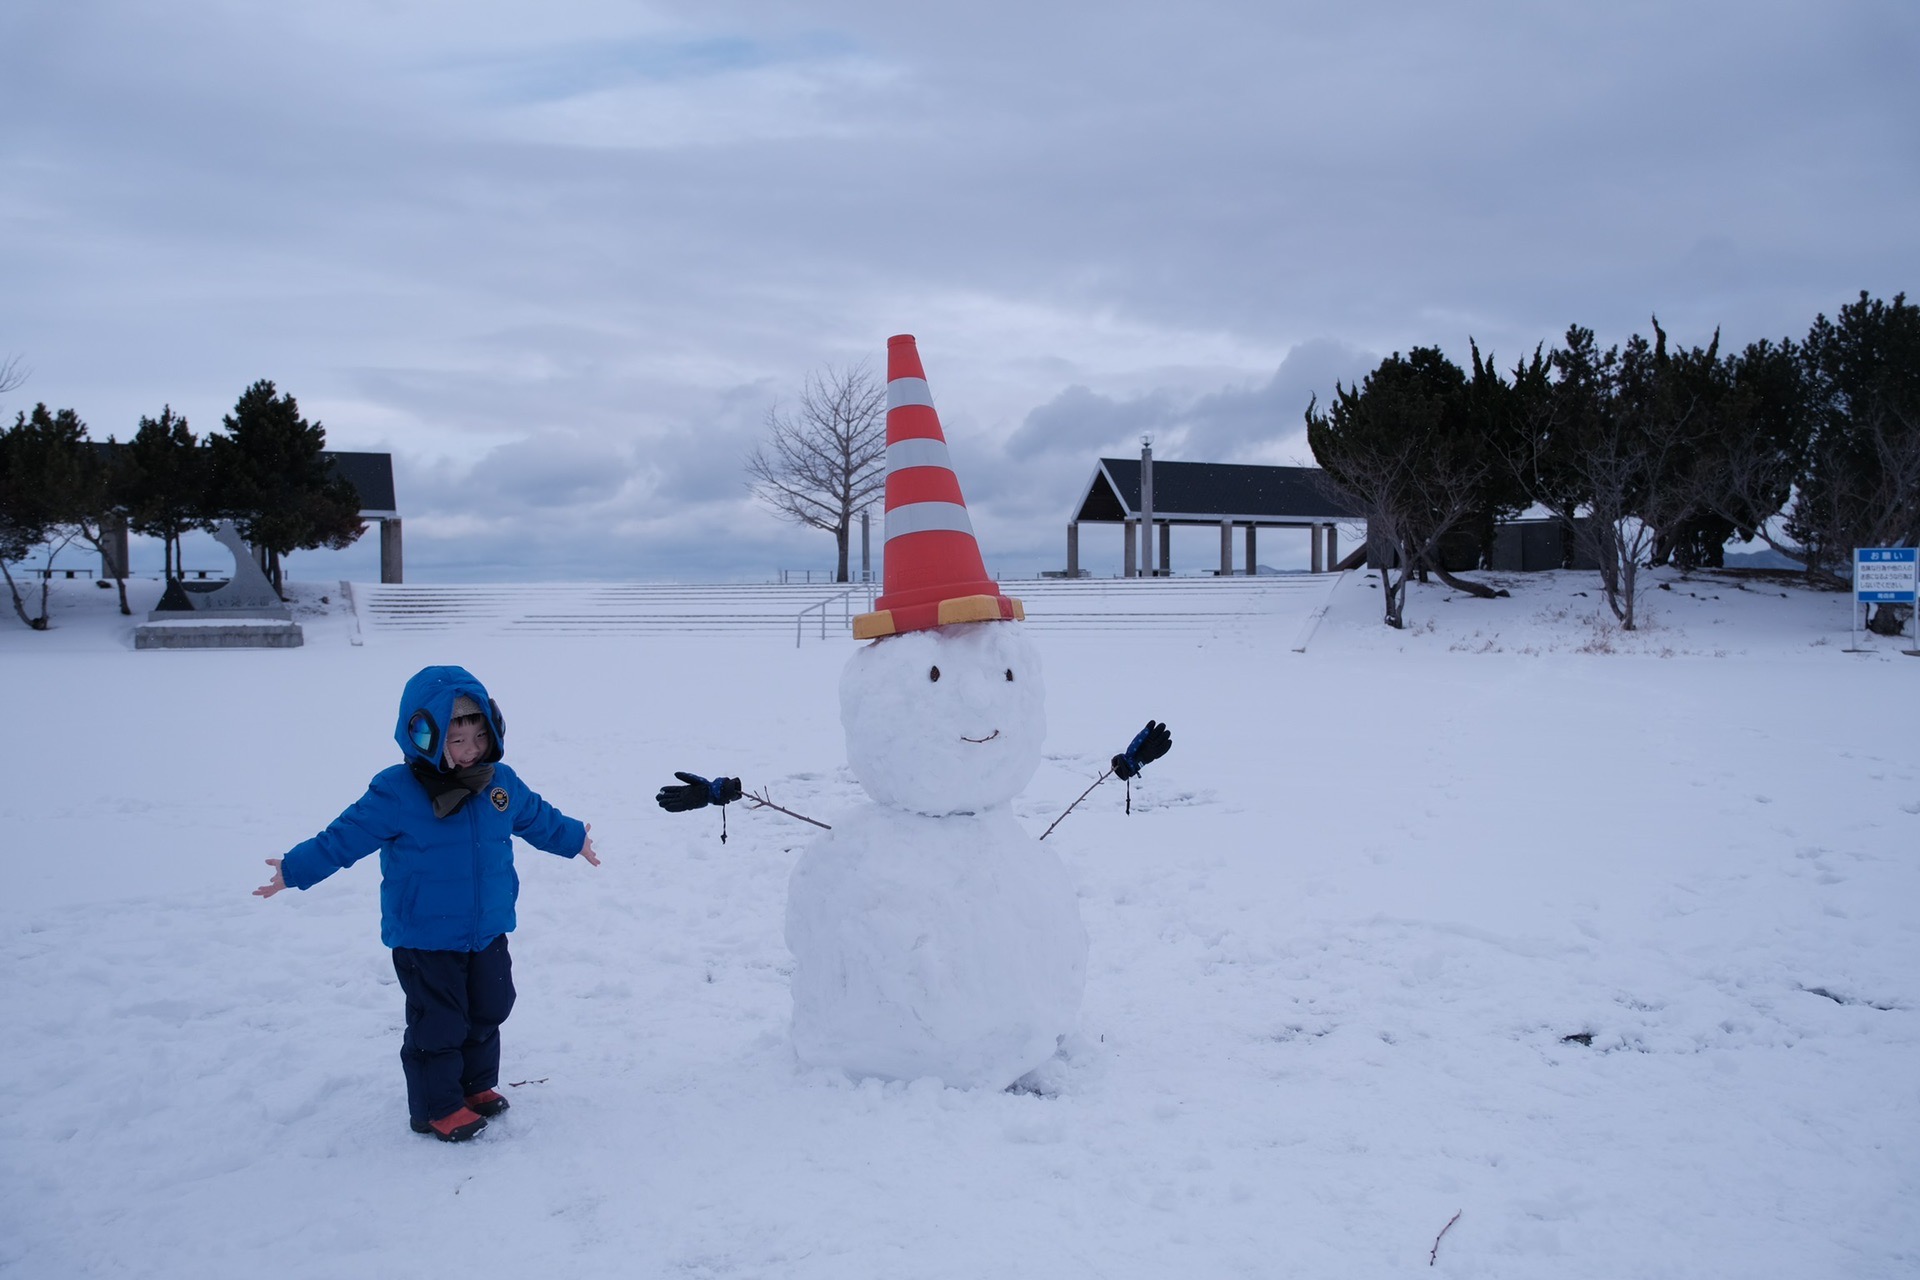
column 947, row 947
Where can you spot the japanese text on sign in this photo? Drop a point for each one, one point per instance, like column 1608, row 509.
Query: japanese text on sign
column 1884, row 575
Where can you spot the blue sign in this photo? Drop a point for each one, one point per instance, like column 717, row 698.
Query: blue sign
column 1885, row 575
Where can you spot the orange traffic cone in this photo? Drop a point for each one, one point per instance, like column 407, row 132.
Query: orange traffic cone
column 934, row 574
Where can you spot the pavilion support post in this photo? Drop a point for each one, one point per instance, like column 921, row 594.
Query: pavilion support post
column 1146, row 506
column 114, row 551
column 1129, row 565
column 1226, row 548
column 1253, row 555
column 390, row 558
column 1333, row 546
column 1073, row 548
column 1166, row 550
column 1313, row 535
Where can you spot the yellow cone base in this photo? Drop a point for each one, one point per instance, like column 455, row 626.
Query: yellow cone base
column 889, row 622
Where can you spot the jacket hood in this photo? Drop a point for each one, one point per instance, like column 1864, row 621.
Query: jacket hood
column 426, row 709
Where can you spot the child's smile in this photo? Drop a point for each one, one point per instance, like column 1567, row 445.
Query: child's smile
column 466, row 743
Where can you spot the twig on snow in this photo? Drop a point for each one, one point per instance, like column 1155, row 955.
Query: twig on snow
column 1436, row 1240
column 760, row 801
column 1104, row 775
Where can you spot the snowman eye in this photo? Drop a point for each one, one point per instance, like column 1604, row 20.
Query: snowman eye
column 933, row 673
column 1009, row 675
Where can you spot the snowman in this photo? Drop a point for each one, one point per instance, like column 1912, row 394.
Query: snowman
column 931, row 935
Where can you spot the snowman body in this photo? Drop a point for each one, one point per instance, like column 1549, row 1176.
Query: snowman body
column 931, row 935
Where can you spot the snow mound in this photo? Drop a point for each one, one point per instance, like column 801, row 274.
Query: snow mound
column 949, row 947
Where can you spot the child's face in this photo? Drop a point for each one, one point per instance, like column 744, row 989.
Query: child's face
column 466, row 742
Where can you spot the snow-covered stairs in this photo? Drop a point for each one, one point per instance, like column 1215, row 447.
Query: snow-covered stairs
column 1167, row 604
column 594, row 608
column 640, row 608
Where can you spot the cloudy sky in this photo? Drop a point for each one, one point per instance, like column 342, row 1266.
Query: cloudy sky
column 562, row 259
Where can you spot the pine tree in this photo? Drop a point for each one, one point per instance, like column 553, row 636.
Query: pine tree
column 1860, row 485
column 1407, row 449
column 166, row 484
column 51, row 484
column 274, row 484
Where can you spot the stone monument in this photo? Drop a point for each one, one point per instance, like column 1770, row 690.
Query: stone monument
column 243, row 612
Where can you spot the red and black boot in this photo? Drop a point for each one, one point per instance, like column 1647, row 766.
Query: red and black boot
column 456, row 1127
column 487, row 1102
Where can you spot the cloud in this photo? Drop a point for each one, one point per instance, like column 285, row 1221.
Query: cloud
column 454, row 226
column 1079, row 421
column 1022, row 491
column 1224, row 424
column 1244, row 424
column 552, row 469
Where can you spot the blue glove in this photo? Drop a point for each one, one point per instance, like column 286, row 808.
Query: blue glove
column 1147, row 746
column 698, row 793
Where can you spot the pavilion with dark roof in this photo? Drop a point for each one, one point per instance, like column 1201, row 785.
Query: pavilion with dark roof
column 1144, row 495
column 370, row 474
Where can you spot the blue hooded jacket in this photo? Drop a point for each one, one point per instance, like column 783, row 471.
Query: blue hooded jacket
column 446, row 884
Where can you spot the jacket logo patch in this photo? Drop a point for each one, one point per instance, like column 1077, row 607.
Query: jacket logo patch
column 499, row 797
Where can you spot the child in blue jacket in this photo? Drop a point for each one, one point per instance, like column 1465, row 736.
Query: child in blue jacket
column 444, row 824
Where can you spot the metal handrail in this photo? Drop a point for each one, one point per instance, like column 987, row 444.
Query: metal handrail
column 845, row 599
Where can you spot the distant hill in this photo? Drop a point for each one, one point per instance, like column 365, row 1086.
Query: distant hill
column 1763, row 558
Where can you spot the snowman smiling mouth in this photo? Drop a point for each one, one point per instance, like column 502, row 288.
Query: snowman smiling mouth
column 989, row 738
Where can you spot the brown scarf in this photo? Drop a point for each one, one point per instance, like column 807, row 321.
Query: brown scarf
column 451, row 788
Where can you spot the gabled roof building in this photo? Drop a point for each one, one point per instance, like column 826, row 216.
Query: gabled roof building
column 1144, row 496
column 370, row 474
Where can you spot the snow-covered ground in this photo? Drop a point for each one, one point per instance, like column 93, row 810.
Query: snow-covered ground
column 1607, row 943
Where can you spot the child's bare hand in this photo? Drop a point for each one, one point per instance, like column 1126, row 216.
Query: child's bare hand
column 586, row 850
column 274, row 885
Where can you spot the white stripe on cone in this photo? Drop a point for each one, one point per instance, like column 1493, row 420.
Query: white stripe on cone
column 905, row 391
column 902, row 454
column 922, row 517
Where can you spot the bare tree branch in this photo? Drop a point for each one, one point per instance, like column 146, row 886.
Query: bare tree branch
column 758, row 800
column 1875, row 505
column 824, row 462
column 1433, row 1256
column 1104, row 775
column 12, row 373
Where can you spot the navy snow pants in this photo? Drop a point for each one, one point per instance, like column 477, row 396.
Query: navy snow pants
column 456, row 1001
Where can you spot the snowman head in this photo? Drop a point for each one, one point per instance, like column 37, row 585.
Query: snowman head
column 945, row 720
